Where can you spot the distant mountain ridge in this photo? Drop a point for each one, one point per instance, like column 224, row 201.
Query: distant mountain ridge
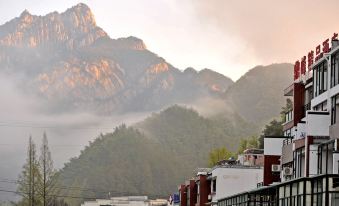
column 73, row 64
column 258, row 95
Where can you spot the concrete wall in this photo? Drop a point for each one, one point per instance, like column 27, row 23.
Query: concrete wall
column 301, row 131
column 273, row 146
column 335, row 163
column 334, row 129
column 313, row 165
column 231, row 181
column 287, row 154
column 120, row 201
column 317, row 123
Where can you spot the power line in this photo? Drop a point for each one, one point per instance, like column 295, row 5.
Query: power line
column 53, row 127
column 68, row 188
column 61, row 196
column 72, row 188
column 51, row 145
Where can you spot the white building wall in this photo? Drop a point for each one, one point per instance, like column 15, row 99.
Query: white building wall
column 313, row 163
column 272, row 146
column 317, row 124
column 301, row 131
column 335, row 163
column 120, row 201
column 231, row 181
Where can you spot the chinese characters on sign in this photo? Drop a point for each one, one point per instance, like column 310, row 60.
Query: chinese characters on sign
column 296, row 70
column 310, row 59
column 300, row 66
column 303, row 65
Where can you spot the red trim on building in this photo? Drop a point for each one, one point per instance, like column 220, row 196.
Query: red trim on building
column 192, row 192
column 298, row 103
column 183, row 195
column 270, row 177
column 205, row 190
column 299, row 143
column 288, row 125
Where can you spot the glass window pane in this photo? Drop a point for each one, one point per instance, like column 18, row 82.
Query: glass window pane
column 308, row 187
column 287, row 190
column 295, row 189
column 281, row 192
column 301, row 188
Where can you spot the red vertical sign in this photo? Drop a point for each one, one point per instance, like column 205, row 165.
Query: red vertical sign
column 303, row 65
column 317, row 50
column 296, row 70
column 310, row 59
column 326, row 46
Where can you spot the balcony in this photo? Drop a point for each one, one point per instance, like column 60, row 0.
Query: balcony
column 288, row 92
column 317, row 123
column 288, row 125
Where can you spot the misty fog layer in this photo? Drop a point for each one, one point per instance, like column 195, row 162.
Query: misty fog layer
column 67, row 133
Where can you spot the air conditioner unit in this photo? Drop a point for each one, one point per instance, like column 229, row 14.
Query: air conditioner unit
column 276, row 168
column 287, row 171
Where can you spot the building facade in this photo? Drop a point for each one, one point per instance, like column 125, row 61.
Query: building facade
column 302, row 167
column 211, row 184
column 122, row 201
column 231, row 179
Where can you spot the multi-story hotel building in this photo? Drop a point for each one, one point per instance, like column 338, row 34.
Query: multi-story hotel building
column 301, row 168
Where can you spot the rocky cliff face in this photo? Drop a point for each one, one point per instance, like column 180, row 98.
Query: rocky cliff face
column 68, row 60
column 74, row 28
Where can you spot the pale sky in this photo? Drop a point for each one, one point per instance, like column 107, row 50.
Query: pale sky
column 228, row 36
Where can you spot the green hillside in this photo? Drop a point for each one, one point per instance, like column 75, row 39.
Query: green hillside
column 149, row 158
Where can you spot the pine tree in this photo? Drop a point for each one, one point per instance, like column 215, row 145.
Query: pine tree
column 30, row 177
column 47, row 173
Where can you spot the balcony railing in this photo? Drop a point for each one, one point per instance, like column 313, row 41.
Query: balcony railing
column 289, row 90
column 260, row 184
column 287, row 141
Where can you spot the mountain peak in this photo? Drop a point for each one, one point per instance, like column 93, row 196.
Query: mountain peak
column 190, row 70
column 81, row 12
column 74, row 28
column 80, row 7
column 26, row 17
column 25, row 13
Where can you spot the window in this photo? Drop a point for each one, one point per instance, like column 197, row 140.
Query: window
column 320, row 78
column 321, row 107
column 289, row 116
column 317, row 192
column 214, row 185
column 333, row 110
column 335, row 69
